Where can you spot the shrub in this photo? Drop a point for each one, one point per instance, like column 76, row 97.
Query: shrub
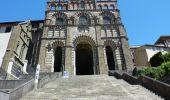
column 156, row 72
column 166, row 67
column 152, row 72
column 166, row 57
column 157, row 59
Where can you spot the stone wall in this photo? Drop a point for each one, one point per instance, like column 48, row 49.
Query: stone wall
column 157, row 87
column 15, row 89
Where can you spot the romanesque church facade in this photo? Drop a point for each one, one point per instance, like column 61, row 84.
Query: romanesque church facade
column 82, row 37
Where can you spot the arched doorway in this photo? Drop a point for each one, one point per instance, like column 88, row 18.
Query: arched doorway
column 110, row 58
column 84, row 59
column 58, row 59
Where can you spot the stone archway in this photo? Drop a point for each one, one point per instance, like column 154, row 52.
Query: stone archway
column 84, row 59
column 58, row 59
column 85, row 56
column 110, row 58
column 110, row 47
column 58, row 56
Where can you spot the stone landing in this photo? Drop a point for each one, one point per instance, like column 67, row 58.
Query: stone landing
column 97, row 87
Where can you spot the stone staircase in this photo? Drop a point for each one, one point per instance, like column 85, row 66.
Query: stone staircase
column 96, row 87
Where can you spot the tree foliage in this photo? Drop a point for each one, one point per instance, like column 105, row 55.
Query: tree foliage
column 156, row 60
column 157, row 72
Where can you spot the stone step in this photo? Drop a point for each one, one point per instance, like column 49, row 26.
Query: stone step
column 96, row 87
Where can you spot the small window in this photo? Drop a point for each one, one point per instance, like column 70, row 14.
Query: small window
column 8, row 29
column 60, row 7
column 83, row 20
column 112, row 7
column 106, row 20
column 105, row 7
column 52, row 7
column 82, row 4
column 99, row 7
column 59, row 21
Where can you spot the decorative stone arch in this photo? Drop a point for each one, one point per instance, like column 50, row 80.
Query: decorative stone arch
column 61, row 15
column 84, row 38
column 110, row 43
column 112, row 6
column 105, row 7
column 58, row 56
column 52, row 6
column 87, row 40
column 100, row 7
column 108, row 14
column 110, row 54
column 57, row 43
column 87, row 14
column 59, row 7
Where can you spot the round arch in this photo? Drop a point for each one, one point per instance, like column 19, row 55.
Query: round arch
column 109, row 49
column 85, row 56
column 58, row 52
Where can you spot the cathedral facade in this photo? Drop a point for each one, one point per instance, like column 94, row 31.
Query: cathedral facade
column 82, row 37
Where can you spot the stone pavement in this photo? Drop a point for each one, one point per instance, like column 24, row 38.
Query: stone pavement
column 96, row 87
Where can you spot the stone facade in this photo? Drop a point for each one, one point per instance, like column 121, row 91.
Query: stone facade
column 143, row 54
column 81, row 37
column 89, row 25
column 14, row 59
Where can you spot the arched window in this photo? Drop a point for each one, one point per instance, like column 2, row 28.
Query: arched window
column 64, row 7
column 99, row 7
column 110, row 58
column 105, row 7
column 83, row 20
column 52, row 7
column 112, row 7
column 82, row 4
column 106, row 20
column 60, row 7
column 59, row 21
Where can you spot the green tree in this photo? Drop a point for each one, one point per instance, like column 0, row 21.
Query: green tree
column 157, row 60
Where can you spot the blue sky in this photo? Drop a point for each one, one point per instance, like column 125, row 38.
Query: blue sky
column 144, row 20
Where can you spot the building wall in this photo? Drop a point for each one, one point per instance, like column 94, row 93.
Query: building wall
column 4, row 39
column 14, row 60
column 97, row 33
column 142, row 55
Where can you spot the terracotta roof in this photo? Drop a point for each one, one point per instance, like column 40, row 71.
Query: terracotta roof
column 162, row 38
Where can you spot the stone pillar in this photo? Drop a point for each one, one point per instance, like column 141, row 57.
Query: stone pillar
column 103, row 69
column 25, row 66
column 68, row 53
column 52, row 66
column 24, row 53
column 74, row 61
column 11, row 62
column 42, row 56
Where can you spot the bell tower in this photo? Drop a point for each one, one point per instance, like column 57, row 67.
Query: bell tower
column 84, row 37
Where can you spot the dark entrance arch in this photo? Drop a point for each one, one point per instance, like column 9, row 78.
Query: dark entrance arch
column 58, row 59
column 110, row 58
column 84, row 59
